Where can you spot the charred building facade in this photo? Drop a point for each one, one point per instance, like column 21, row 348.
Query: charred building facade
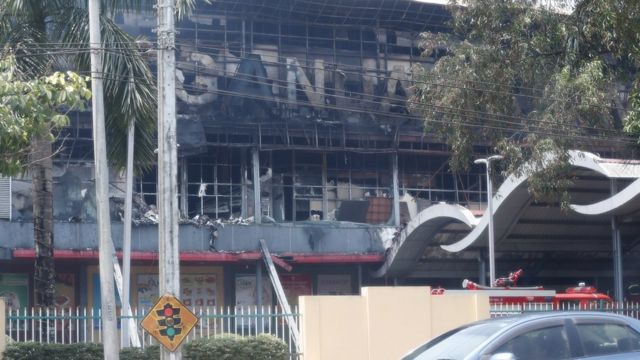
column 294, row 127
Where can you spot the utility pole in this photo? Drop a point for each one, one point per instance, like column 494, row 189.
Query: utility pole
column 169, row 254
column 107, row 293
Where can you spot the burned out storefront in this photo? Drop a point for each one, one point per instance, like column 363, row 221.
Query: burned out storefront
column 293, row 126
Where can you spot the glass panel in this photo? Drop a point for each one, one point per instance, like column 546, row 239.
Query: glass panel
column 549, row 343
column 602, row 339
column 458, row 343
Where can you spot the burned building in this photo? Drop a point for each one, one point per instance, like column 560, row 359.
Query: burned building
column 293, row 126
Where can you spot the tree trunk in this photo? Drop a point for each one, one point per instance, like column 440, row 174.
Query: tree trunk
column 42, row 180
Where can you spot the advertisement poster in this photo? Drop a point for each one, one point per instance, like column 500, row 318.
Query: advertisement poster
column 196, row 290
column 14, row 288
column 147, row 288
column 334, row 284
column 296, row 285
column 246, row 291
column 65, row 291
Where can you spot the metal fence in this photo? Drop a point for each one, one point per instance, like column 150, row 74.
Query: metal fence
column 631, row 309
column 80, row 325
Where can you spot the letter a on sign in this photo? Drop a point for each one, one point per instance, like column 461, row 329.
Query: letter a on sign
column 169, row 321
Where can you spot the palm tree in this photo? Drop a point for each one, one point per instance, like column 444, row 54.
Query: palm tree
column 53, row 34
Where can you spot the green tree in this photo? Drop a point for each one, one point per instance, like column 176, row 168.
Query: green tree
column 49, row 35
column 531, row 83
column 29, row 111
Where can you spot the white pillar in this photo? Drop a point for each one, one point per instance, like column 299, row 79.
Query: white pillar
column 107, row 290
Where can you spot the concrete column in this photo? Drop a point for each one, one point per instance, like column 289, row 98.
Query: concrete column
column 482, row 269
column 3, row 326
column 184, row 183
column 245, row 182
column 259, row 300
column 257, row 207
column 396, row 191
column 325, row 202
column 359, row 278
column 616, row 252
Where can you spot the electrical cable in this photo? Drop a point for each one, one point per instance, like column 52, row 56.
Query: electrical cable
column 408, row 116
column 364, row 74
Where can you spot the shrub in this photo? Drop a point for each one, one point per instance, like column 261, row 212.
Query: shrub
column 37, row 351
column 81, row 351
column 266, row 347
column 261, row 347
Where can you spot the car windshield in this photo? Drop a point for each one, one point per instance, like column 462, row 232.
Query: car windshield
column 458, row 343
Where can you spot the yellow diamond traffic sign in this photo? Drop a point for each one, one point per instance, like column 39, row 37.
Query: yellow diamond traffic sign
column 169, row 321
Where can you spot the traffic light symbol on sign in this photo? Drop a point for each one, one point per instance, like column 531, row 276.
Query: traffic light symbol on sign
column 169, row 319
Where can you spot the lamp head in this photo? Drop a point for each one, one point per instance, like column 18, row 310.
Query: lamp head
column 488, row 160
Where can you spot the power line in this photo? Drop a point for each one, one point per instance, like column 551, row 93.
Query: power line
column 278, row 84
column 367, row 72
column 370, row 99
column 292, row 14
column 457, row 111
column 413, row 117
column 441, row 109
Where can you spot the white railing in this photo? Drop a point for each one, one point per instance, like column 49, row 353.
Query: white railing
column 79, row 325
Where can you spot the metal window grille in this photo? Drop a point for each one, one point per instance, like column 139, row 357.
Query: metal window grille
column 5, row 198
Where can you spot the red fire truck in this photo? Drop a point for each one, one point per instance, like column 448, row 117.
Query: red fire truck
column 506, row 292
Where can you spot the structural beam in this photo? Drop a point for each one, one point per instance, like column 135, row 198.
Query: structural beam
column 257, row 207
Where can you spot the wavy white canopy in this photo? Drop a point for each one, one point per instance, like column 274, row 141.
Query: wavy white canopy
column 511, row 199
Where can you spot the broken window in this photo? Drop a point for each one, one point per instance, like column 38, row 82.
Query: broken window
column 427, row 179
column 359, row 187
column 215, row 184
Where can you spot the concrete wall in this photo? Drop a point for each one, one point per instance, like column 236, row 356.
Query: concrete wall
column 296, row 238
column 383, row 323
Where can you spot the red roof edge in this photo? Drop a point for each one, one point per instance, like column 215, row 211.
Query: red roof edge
column 217, row 257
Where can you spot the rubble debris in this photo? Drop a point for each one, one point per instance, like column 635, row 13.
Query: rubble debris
column 388, row 235
column 204, row 220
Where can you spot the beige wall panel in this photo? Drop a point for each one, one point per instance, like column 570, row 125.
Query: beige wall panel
column 398, row 320
column 451, row 311
column 383, row 323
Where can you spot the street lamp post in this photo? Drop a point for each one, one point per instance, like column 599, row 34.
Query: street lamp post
column 492, row 255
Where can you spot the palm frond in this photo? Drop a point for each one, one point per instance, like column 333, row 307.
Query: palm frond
column 129, row 87
column 24, row 42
